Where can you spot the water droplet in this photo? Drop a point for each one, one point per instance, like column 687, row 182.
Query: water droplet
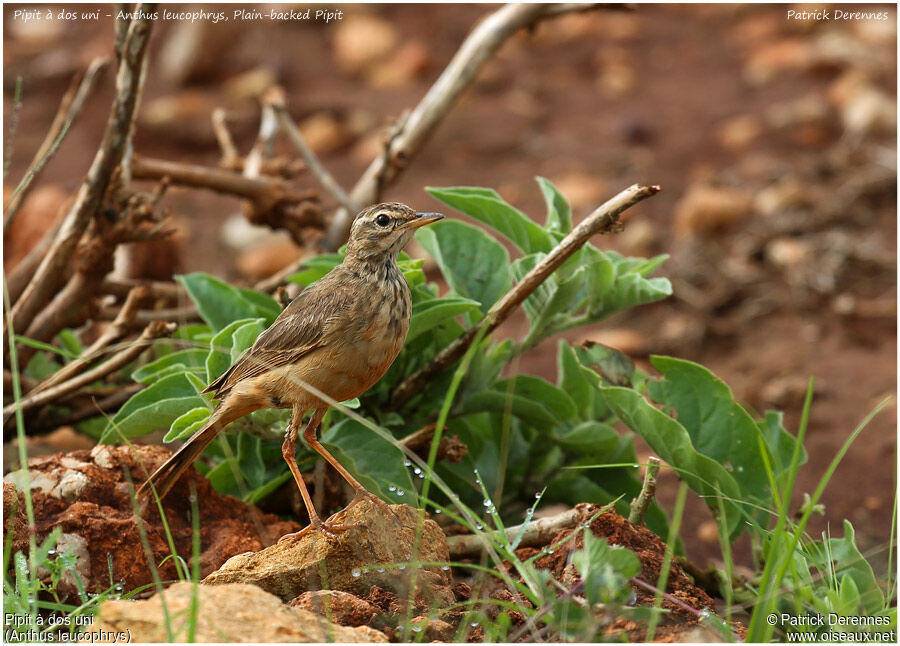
column 355, row 573
column 421, row 476
column 392, row 488
column 437, row 511
column 380, row 570
column 51, row 552
column 474, row 624
column 635, row 466
column 119, row 587
column 488, row 503
column 407, row 463
column 549, row 551
column 740, row 469
column 529, row 511
column 445, row 567
column 704, row 614
column 479, row 527
column 417, row 470
column 400, row 492
column 401, row 567
column 537, row 495
column 417, row 629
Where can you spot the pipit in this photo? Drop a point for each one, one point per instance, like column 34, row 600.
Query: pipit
column 339, row 336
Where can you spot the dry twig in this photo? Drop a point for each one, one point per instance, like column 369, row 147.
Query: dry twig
column 152, row 331
column 603, row 220
column 53, row 269
column 641, row 504
column 70, row 108
column 113, row 332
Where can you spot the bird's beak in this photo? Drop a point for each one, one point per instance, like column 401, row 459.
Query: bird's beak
column 422, row 219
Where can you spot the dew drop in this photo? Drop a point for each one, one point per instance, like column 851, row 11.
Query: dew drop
column 355, row 573
column 704, row 614
column 529, row 511
column 407, row 463
column 417, row 629
column 549, row 551
column 474, row 624
column 537, row 495
column 401, row 567
column 740, row 469
column 445, row 567
column 437, row 511
column 380, row 570
column 488, row 503
column 417, row 470
column 400, row 492
column 479, row 527
column 421, row 476
column 51, row 552
column 392, row 488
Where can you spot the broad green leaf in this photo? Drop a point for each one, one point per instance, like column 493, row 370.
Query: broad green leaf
column 559, row 214
column 718, row 426
column 572, row 380
column 374, row 461
column 219, row 303
column 474, row 264
column 531, row 399
column 249, row 456
column 432, row 313
column 219, row 358
column 187, row 424
column 851, row 564
column 611, row 364
column 70, row 342
column 177, row 385
column 41, row 366
column 190, row 359
column 781, row 443
column 315, row 268
column 488, row 207
column 588, row 438
column 244, row 336
column 672, row 443
column 153, row 417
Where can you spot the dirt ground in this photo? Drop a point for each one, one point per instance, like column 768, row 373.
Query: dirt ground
column 773, row 140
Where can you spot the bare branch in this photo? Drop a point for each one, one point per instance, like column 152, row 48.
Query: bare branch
column 475, row 51
column 96, row 407
column 312, row 162
column 185, row 314
column 53, row 270
column 603, row 220
column 113, row 332
column 537, row 532
column 152, row 331
column 641, row 504
column 230, row 154
column 155, row 288
column 70, row 109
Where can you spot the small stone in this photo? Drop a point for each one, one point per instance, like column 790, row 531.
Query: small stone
column 361, row 40
column 268, row 257
column 738, row 132
column 705, row 210
column 342, row 607
column 436, row 630
column 324, row 132
column 226, row 613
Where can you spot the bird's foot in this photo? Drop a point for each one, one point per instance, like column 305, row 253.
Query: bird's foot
column 330, row 529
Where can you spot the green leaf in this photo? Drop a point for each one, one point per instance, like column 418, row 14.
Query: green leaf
column 374, row 461
column 672, row 443
column 573, row 381
column 172, row 386
column 187, row 424
column 849, row 563
column 40, row 345
column 158, row 415
column 474, row 265
column 430, row 314
column 219, row 358
column 70, row 342
column 486, row 206
column 315, row 268
column 780, row 442
column 219, row 303
column 559, row 214
column 606, row 570
column 531, row 399
column 244, row 336
column 614, row 366
column 41, row 366
column 191, row 359
column 718, row 426
column 588, row 438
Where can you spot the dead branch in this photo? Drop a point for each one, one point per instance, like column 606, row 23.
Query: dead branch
column 53, row 269
column 21, row 275
column 118, row 329
column 184, row 314
column 230, row 154
column 275, row 202
column 641, row 503
column 312, row 162
column 536, row 533
column 602, row 220
column 107, row 404
column 162, row 289
column 476, row 50
column 70, row 109
column 152, row 331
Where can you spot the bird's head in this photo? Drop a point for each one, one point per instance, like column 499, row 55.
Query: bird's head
column 384, row 229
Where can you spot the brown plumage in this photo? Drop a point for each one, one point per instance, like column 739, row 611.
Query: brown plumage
column 332, row 343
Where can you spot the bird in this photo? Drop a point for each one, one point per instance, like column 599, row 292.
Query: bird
column 332, row 343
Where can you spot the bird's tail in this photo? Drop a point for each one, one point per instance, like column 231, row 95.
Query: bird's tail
column 167, row 475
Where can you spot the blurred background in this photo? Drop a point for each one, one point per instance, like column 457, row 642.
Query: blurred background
column 774, row 141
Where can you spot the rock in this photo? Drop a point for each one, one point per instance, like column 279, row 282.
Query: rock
column 14, row 507
column 773, row 58
column 296, row 565
column 738, row 132
column 35, row 218
column 324, row 132
column 342, row 607
column 63, row 439
column 227, row 613
column 268, row 257
column 435, row 629
column 87, row 495
column 363, row 40
column 582, row 190
column 705, row 210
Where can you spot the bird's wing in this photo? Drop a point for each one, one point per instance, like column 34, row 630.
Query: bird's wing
column 301, row 328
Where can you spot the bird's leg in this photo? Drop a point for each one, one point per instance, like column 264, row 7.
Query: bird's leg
column 288, row 450
column 310, row 435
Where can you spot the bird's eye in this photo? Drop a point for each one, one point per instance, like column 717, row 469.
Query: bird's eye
column 382, row 220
